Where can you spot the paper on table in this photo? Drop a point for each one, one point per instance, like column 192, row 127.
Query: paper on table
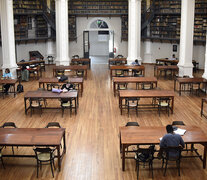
column 180, row 131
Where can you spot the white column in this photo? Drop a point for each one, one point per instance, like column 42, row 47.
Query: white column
column 50, row 44
column 134, row 31
column 7, row 36
column 186, row 38
column 148, row 52
column 148, row 43
column 62, row 40
column 205, row 67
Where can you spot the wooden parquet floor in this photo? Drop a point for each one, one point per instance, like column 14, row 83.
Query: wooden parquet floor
column 93, row 134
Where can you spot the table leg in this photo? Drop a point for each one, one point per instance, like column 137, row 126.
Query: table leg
column 111, row 73
column 174, row 84
column 204, row 156
column 120, row 104
column 202, row 101
column 58, row 155
column 114, row 84
column 123, row 157
column 75, row 106
column 14, row 90
column 81, row 89
column 172, row 105
column 25, row 105
column 180, row 89
column 86, row 73
column 64, row 143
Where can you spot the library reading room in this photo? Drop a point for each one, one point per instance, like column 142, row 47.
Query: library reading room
column 103, row 89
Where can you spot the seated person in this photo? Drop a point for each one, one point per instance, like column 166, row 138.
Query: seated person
column 136, row 63
column 7, row 75
column 170, row 140
column 67, row 86
column 173, row 57
column 25, row 73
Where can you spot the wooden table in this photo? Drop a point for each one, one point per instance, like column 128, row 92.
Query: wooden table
column 113, row 61
column 12, row 82
column 127, row 67
column 189, row 81
column 55, row 80
column 204, row 100
column 151, row 135
column 138, row 80
column 73, row 68
column 82, row 60
column 167, row 61
column 36, row 70
column 123, row 94
column 34, row 137
column 27, row 63
column 50, row 95
column 158, row 70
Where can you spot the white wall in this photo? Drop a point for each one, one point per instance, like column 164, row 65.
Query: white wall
column 22, row 50
column 98, row 48
column 165, row 50
column 83, row 23
column 1, row 57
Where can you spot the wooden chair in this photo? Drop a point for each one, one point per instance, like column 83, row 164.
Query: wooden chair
column 9, row 125
column 143, row 156
column 163, row 103
column 121, row 86
column 174, row 123
column 136, row 73
column 132, row 124
column 53, row 124
column 167, row 156
column 119, row 73
column 35, row 103
column 80, row 73
column 1, row 147
column 147, row 86
column 44, row 156
column 66, row 104
column 50, row 59
column 52, row 85
column 60, row 72
column 2, row 90
column 132, row 103
column 195, row 88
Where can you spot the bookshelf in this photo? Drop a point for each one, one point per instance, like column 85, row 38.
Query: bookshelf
column 124, row 27
column 96, row 7
column 28, row 6
column 166, row 22
column 72, row 28
column 41, row 26
column 21, row 27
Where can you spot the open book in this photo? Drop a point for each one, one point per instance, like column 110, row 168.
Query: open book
column 180, row 131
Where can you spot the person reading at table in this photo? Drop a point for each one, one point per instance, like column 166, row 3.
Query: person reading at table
column 170, row 140
column 136, row 63
column 7, row 75
column 173, row 57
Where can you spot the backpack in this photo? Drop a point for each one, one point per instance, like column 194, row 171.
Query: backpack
column 20, row 88
column 63, row 78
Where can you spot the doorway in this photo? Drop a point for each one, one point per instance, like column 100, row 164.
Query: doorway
column 98, row 42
